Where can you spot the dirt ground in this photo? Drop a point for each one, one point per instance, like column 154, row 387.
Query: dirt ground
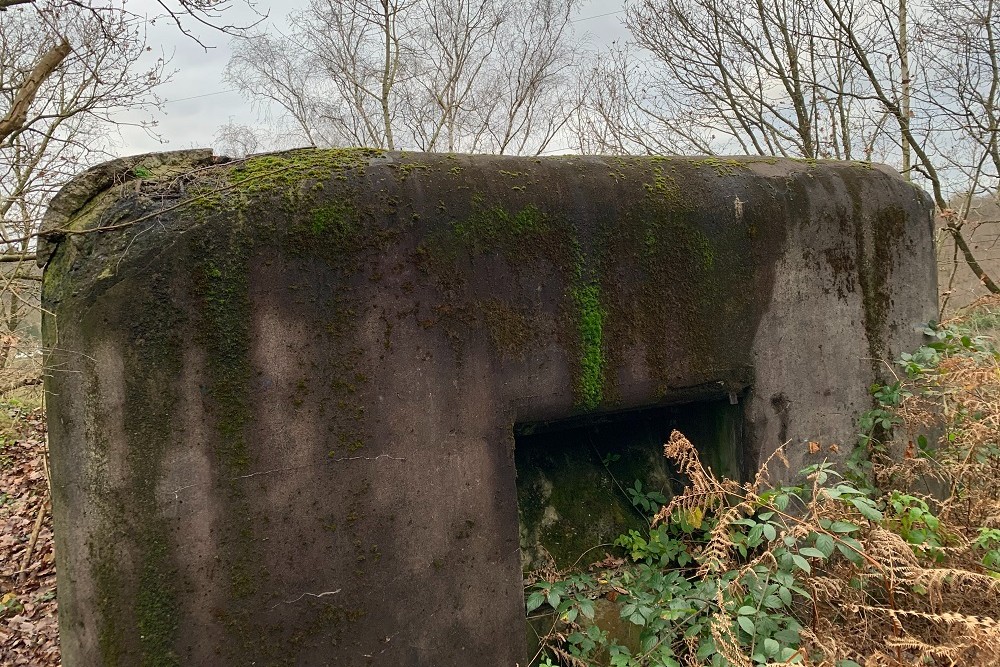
column 28, row 630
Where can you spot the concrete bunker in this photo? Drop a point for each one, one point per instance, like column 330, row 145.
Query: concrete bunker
column 283, row 390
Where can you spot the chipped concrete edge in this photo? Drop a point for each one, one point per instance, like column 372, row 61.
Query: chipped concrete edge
column 75, row 194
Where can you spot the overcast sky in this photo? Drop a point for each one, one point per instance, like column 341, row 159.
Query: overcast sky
column 197, row 101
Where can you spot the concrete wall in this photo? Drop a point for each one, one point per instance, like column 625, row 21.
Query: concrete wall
column 282, row 390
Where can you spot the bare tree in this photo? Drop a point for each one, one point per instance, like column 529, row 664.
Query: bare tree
column 58, row 110
column 755, row 78
column 67, row 69
column 958, row 44
column 531, row 83
column 237, row 140
column 284, row 78
column 473, row 75
column 455, row 41
column 954, row 136
column 887, row 80
column 625, row 109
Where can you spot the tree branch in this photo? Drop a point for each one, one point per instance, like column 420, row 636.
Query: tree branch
column 18, row 114
column 4, row 4
column 970, row 259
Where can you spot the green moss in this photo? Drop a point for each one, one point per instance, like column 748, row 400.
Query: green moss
column 408, row 168
column 157, row 606
column 149, row 410
column 288, row 171
column 874, row 243
column 673, row 261
column 510, row 330
column 222, row 282
column 107, row 580
column 811, row 162
column 674, row 230
column 131, row 521
column 227, row 310
column 663, row 189
column 523, row 236
column 292, row 176
column 722, row 166
column 590, row 322
column 336, row 223
column 489, row 228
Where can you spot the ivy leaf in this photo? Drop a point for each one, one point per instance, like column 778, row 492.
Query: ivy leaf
column 801, row 563
column 706, row 648
column 773, row 602
column 850, row 549
column 843, row 527
column 825, row 544
column 788, row 636
column 867, row 509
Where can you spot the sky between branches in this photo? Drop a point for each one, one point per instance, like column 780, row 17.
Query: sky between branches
column 197, row 101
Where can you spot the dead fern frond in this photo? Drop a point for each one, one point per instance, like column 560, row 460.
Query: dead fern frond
column 726, row 643
column 703, row 492
column 827, row 588
column 764, row 471
column 567, row 659
column 894, row 555
column 715, row 556
column 919, row 650
column 983, row 626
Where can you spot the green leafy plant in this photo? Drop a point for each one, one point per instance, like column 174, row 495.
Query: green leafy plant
column 988, row 541
column 648, row 501
column 913, row 520
column 841, row 568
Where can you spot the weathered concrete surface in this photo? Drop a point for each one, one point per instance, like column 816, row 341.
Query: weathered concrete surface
column 281, row 391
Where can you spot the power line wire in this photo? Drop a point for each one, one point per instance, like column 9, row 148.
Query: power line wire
column 195, row 97
column 598, row 16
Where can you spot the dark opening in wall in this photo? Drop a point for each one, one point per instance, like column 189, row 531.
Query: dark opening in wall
column 578, row 480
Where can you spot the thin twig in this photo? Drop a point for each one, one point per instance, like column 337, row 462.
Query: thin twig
column 31, row 542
